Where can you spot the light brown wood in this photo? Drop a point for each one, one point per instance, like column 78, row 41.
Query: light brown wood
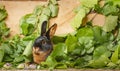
column 17, row 9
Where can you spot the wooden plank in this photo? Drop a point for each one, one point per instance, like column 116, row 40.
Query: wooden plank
column 66, row 70
column 23, row 0
column 17, row 9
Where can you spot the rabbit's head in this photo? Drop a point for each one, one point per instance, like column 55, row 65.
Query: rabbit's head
column 42, row 46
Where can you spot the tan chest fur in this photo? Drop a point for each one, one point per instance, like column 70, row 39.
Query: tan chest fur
column 39, row 55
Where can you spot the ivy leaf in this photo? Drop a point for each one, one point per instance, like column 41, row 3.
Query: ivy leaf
column 115, row 55
column 28, row 24
column 101, row 36
column 18, row 59
column 88, row 3
column 87, row 43
column 3, row 12
column 46, row 11
column 77, row 20
column 110, row 9
column 1, row 55
column 53, row 2
column 71, row 42
column 6, row 48
column 50, row 62
column 85, row 32
column 115, row 2
column 54, row 10
column 110, row 23
column 82, row 10
column 102, row 61
column 101, row 50
column 59, row 50
column 38, row 10
column 28, row 50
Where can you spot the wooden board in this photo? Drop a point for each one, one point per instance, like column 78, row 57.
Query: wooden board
column 17, row 9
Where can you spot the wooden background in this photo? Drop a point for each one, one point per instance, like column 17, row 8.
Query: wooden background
column 18, row 8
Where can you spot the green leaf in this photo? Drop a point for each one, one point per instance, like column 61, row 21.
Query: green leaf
column 88, row 3
column 30, row 37
column 54, row 10
column 118, row 37
column 4, row 30
column 24, row 28
column 87, row 43
column 7, row 59
column 59, row 50
column 101, row 36
column 77, row 20
column 58, row 39
column 38, row 10
column 53, row 2
column 3, row 12
column 102, row 61
column 18, row 59
column 115, row 2
column 77, row 51
column 115, row 55
column 110, row 9
column 80, row 62
column 1, row 55
column 43, row 18
column 71, row 43
column 58, row 54
column 61, row 66
column 112, row 65
column 46, row 11
column 28, row 50
column 6, row 48
column 101, row 50
column 110, row 23
column 28, row 24
column 50, row 63
column 85, row 32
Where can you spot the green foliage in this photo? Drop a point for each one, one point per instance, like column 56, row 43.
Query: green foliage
column 77, row 20
column 1, row 55
column 57, row 57
column 101, row 36
column 88, row 3
column 90, row 47
column 28, row 24
column 110, row 23
column 3, row 12
column 32, row 22
column 115, row 55
column 100, row 62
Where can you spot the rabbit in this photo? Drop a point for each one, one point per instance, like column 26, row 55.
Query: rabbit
column 42, row 46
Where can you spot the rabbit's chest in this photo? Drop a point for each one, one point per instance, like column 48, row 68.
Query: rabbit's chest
column 39, row 55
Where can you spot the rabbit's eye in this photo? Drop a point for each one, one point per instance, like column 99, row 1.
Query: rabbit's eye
column 43, row 42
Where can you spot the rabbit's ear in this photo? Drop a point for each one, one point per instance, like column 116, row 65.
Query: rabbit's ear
column 51, row 31
column 43, row 28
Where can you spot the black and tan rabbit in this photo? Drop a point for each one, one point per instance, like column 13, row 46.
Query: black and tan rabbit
column 43, row 46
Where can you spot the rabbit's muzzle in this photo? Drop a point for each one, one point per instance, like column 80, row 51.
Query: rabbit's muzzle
column 40, row 55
